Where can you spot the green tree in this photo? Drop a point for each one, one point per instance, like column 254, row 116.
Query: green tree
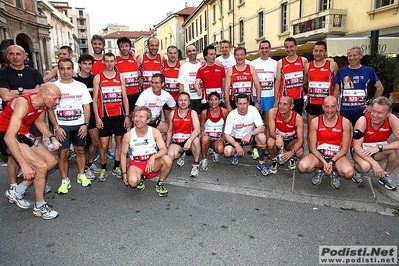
column 387, row 69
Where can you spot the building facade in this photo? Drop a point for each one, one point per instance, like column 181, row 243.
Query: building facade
column 111, row 39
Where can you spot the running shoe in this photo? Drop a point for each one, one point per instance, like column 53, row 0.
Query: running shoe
column 95, row 169
column 255, row 153
column 96, row 156
column 215, row 157
column 387, row 181
column 83, row 180
column 180, row 161
column 160, row 188
column 65, row 186
column 71, row 155
column 110, row 154
column 47, row 189
column 335, row 183
column 317, row 178
column 14, row 197
column 234, row 160
column 292, row 164
column 203, row 165
column 195, row 170
column 117, row 172
column 103, row 175
column 357, row 177
column 141, row 185
column 45, row 211
column 262, row 168
column 273, row 167
column 89, row 174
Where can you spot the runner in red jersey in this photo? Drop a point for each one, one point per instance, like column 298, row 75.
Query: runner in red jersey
column 329, row 137
column 98, row 44
column 128, row 68
column 150, row 63
column 19, row 145
column 111, row 107
column 241, row 78
column 183, row 131
column 320, row 76
column 210, row 75
column 286, row 134
column 370, row 142
column 289, row 75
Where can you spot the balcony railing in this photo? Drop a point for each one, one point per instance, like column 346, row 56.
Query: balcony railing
column 82, row 26
column 83, row 36
column 83, row 45
column 331, row 22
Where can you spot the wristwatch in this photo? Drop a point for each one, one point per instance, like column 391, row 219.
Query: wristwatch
column 87, row 124
column 258, row 101
column 380, row 147
column 293, row 151
column 20, row 90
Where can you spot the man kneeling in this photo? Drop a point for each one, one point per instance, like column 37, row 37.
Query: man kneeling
column 147, row 153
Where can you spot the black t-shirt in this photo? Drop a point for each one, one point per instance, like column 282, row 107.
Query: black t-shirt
column 88, row 82
column 26, row 78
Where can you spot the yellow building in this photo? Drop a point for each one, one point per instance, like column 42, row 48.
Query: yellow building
column 170, row 32
column 247, row 22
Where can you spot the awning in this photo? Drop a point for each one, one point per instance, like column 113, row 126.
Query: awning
column 340, row 46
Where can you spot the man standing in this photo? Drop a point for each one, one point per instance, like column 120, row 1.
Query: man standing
column 244, row 126
column 211, row 75
column 320, row 75
column 266, row 69
column 150, row 63
column 226, row 59
column 187, row 76
column 65, row 52
column 16, row 142
column 147, row 153
column 71, row 123
column 240, row 78
column 289, row 75
column 128, row 68
column 98, row 44
column 370, row 142
column 286, row 134
column 183, row 131
column 111, row 109
column 351, row 86
column 155, row 98
column 86, row 63
column 329, row 137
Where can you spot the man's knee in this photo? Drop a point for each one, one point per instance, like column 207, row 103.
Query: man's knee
column 271, row 143
column 229, row 151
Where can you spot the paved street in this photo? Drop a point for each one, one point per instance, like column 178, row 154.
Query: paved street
column 230, row 215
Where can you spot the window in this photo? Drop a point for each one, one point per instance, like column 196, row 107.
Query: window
column 196, row 27
column 186, row 36
column 231, row 34
column 109, row 44
column 221, row 7
column 214, row 37
column 214, row 13
column 189, row 33
column 166, row 42
column 205, row 20
column 325, row 4
column 241, row 2
column 81, row 13
column 19, row 3
column 205, row 41
column 221, row 35
column 241, row 30
column 381, row 3
column 230, row 5
column 192, row 29
column 200, row 22
column 284, row 24
column 161, row 45
column 260, row 21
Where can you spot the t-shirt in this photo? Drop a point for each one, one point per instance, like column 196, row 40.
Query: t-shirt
column 70, row 111
column 187, row 76
column 239, row 125
column 354, row 93
column 155, row 102
column 212, row 79
column 266, row 70
column 228, row 62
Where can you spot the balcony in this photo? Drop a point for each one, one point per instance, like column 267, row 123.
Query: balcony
column 83, row 45
column 327, row 22
column 82, row 27
column 82, row 36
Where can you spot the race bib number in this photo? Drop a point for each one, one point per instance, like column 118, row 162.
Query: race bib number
column 327, row 150
column 353, row 97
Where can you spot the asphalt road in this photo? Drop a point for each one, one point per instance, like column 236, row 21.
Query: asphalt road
column 110, row 224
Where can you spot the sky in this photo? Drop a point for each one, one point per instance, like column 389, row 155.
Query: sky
column 138, row 15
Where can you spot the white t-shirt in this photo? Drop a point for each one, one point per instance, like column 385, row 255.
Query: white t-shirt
column 187, row 77
column 70, row 111
column 155, row 102
column 239, row 125
column 228, row 62
column 266, row 70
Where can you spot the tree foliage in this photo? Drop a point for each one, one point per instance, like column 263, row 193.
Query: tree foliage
column 387, row 69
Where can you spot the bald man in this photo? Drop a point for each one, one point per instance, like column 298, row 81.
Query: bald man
column 23, row 149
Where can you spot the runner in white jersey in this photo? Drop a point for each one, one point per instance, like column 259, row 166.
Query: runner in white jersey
column 266, row 69
column 187, row 76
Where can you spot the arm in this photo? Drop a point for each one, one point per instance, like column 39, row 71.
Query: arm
column 300, row 132
column 257, row 87
column 312, row 140
column 226, row 89
column 277, row 82
column 181, row 87
column 59, row 132
column 96, row 91
column 202, row 121
column 123, row 162
column 305, row 77
column 346, row 139
column 196, row 130
column 170, row 129
column 197, row 86
column 83, row 128
column 51, row 74
column 43, row 128
column 125, row 101
column 380, row 89
column 337, row 91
